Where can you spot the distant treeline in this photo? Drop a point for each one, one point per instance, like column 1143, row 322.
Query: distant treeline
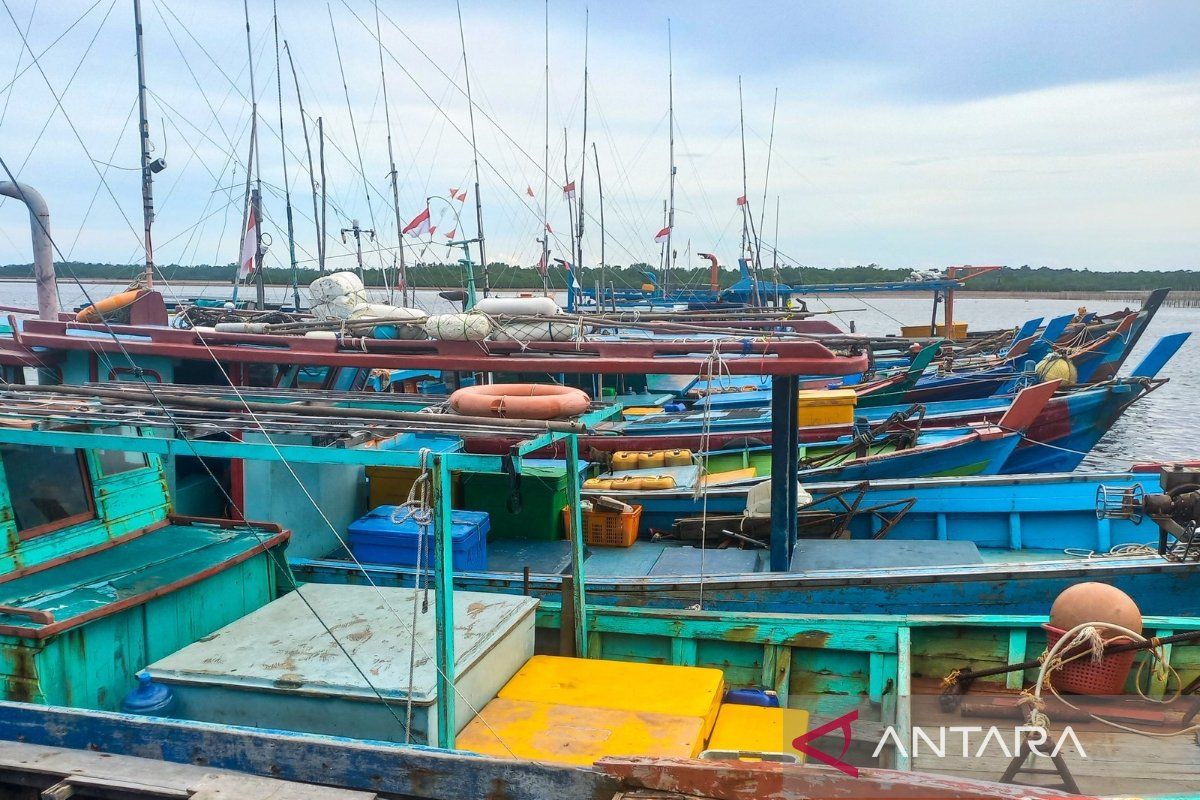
column 506, row 276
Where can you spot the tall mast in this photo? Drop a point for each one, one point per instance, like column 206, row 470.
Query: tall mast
column 762, row 212
column 546, row 170
column 253, row 165
column 600, row 194
column 287, row 188
column 402, row 273
column 671, row 155
column 312, row 175
column 747, row 214
column 321, row 158
column 570, row 216
column 583, row 148
column 144, row 136
column 462, row 37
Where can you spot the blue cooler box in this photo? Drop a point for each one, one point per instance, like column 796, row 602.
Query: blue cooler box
column 375, row 539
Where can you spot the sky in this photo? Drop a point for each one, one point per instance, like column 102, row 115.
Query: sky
column 908, row 134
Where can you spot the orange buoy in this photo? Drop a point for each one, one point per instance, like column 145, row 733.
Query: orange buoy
column 97, row 311
column 520, row 401
column 1094, row 602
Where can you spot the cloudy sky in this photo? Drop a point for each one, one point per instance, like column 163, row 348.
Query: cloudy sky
column 907, row 134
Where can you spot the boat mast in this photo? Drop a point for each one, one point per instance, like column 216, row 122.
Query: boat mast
column 747, row 215
column 255, row 196
column 148, row 167
column 571, row 228
column 324, row 228
column 546, row 170
column 671, row 157
column 487, row 284
column 583, row 148
column 600, row 195
column 287, row 187
column 402, row 272
column 312, row 176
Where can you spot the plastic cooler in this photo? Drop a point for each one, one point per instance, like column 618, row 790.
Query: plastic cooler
column 826, row 407
column 376, row 539
column 1081, row 676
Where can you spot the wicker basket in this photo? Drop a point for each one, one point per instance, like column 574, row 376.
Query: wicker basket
column 1083, row 676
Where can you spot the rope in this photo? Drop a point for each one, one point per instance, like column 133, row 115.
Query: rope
column 1089, row 633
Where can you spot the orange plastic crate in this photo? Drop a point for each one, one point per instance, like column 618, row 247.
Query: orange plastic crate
column 608, row 528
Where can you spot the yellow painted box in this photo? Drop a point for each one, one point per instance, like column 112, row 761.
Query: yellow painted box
column 621, row 686
column 958, row 331
column 548, row 732
column 389, row 486
column 826, row 407
column 756, row 729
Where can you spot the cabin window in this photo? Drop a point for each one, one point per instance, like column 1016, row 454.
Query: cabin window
column 114, row 462
column 48, row 487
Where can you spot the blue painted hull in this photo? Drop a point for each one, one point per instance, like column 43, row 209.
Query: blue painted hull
column 1023, row 526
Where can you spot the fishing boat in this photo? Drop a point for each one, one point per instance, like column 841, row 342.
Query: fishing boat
column 878, row 678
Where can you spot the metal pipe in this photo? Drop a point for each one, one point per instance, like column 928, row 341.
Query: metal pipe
column 43, row 256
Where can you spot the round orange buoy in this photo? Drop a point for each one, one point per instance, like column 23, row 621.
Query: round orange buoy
column 520, row 401
column 1094, row 602
column 109, row 305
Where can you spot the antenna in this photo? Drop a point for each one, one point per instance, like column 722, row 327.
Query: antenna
column 546, row 171
column 287, row 187
column 747, row 214
column 671, row 155
column 312, row 175
column 462, row 37
column 148, row 167
column 583, row 149
column 402, row 273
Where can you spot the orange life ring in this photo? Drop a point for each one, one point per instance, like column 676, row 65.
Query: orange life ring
column 102, row 308
column 520, row 401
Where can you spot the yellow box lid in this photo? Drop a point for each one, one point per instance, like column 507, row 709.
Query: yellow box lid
column 827, row 397
column 620, row 685
column 758, row 729
column 563, row 734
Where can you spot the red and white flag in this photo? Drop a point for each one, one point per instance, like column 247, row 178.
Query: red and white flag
column 541, row 267
column 529, row 191
column 662, row 235
column 461, row 196
column 742, row 200
column 548, row 228
column 454, row 194
column 419, row 226
column 249, row 245
column 569, row 191
column 450, row 235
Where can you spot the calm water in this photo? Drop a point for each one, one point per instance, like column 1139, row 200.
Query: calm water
column 1158, row 427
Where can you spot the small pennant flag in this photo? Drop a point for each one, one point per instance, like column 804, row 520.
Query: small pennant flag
column 548, row 228
column 742, row 200
column 569, row 191
column 419, row 226
column 249, row 245
column 662, row 235
column 450, row 235
column 529, row 191
column 461, row 196
column 454, row 194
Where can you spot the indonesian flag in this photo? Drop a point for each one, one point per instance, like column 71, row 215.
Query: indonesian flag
column 663, row 235
column 529, row 191
column 420, row 225
column 742, row 200
column 249, row 245
column 541, row 266
column 569, row 191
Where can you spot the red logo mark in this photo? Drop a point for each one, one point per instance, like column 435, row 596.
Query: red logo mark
column 842, row 723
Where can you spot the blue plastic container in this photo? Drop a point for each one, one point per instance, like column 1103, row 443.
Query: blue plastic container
column 149, row 699
column 375, row 539
column 752, row 697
